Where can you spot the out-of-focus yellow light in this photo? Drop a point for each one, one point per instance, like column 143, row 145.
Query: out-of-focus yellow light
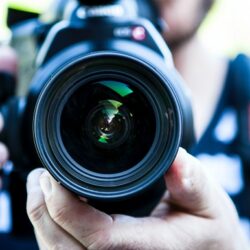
column 4, row 32
column 35, row 6
column 226, row 29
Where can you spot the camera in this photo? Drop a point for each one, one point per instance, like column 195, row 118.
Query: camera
column 106, row 110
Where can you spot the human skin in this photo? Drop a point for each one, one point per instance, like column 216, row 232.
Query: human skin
column 194, row 214
column 203, row 72
column 182, row 18
column 3, row 151
column 8, row 63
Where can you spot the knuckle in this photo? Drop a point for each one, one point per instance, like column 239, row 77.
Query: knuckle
column 35, row 213
column 60, row 214
column 4, row 153
column 58, row 246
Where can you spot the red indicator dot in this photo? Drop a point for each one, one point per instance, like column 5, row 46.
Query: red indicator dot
column 139, row 33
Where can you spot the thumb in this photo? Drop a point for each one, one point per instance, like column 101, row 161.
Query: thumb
column 190, row 188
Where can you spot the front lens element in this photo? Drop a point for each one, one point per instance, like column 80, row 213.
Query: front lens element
column 108, row 126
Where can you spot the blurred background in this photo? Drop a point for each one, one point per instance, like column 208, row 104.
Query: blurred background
column 226, row 29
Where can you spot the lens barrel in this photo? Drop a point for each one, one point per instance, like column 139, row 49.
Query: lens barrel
column 107, row 125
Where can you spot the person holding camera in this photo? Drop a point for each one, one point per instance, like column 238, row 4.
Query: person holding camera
column 195, row 212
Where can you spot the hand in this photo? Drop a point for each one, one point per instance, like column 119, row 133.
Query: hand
column 194, row 214
column 3, row 152
column 8, row 63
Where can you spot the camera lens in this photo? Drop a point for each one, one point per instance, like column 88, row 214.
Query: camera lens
column 105, row 128
column 107, row 125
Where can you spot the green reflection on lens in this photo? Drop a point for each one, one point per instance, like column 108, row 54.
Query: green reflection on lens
column 111, row 107
column 103, row 139
column 120, row 88
column 116, row 104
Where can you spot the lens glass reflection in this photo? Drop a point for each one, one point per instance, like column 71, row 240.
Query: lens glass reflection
column 107, row 126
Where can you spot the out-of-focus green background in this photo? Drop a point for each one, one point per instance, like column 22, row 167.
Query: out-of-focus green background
column 34, row 6
column 226, row 29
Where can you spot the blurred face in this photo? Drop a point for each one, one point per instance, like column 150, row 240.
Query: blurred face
column 183, row 18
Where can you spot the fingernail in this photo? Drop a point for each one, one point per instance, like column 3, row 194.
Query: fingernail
column 186, row 173
column 189, row 162
column 183, row 157
column 45, row 184
column 33, row 179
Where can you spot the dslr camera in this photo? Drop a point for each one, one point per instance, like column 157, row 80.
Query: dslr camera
column 106, row 110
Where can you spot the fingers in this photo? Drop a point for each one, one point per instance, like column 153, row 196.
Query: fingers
column 49, row 234
column 3, row 154
column 1, row 122
column 163, row 208
column 69, row 212
column 8, row 63
column 3, row 150
column 8, row 60
column 190, row 188
column 40, row 243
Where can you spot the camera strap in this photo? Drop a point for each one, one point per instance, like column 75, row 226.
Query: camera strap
column 240, row 100
column 240, row 97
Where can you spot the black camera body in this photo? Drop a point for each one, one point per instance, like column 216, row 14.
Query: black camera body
column 106, row 111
